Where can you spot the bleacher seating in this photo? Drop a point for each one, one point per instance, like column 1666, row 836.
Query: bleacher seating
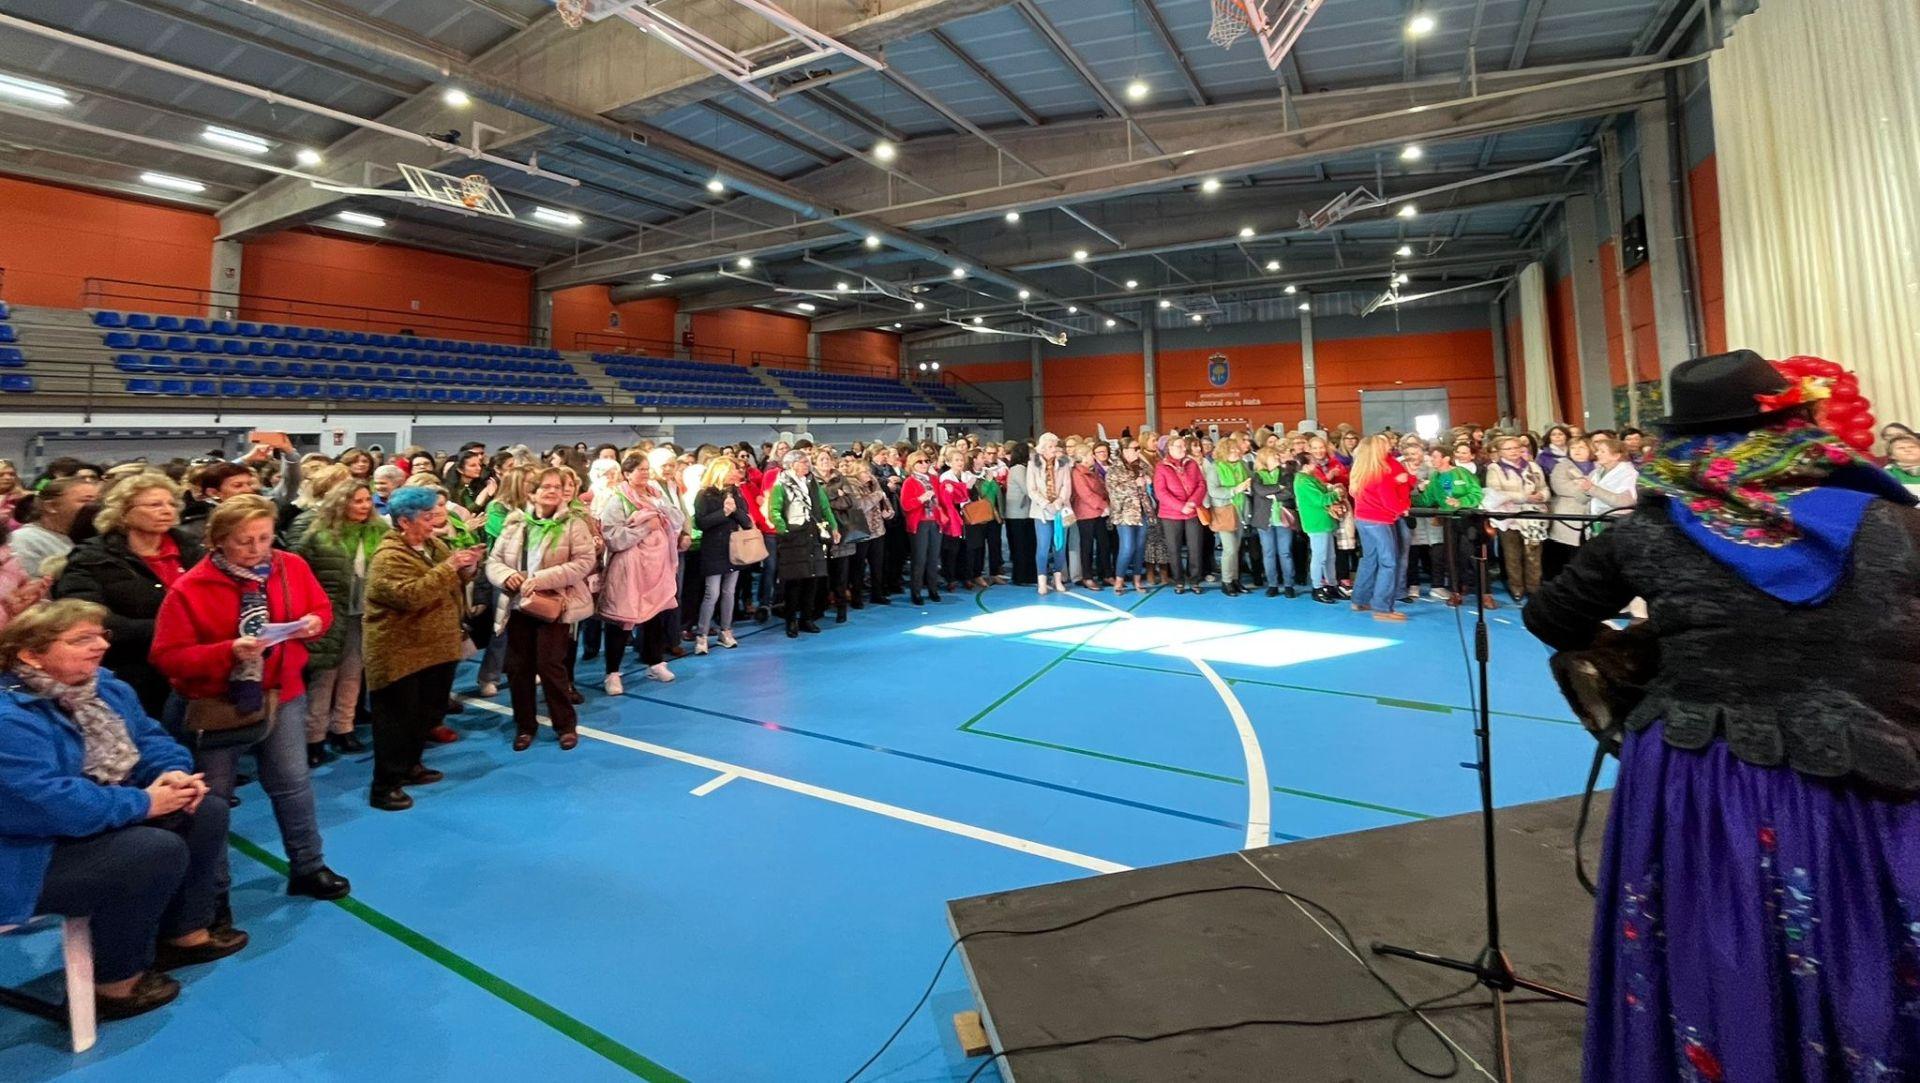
column 945, row 397
column 243, row 329
column 666, row 382
column 842, row 392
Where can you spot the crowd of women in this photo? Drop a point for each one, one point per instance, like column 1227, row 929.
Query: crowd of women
column 163, row 626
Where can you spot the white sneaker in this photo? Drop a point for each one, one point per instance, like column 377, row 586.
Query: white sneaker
column 727, row 640
column 488, row 689
column 1440, row 594
column 699, row 644
column 659, row 672
column 613, row 685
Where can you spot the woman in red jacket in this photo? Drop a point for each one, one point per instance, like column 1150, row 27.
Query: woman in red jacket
column 927, row 519
column 1382, row 491
column 220, row 642
column 1181, row 490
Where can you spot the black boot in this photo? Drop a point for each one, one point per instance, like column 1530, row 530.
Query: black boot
column 322, row 883
column 793, row 626
column 881, row 599
column 316, row 753
column 808, row 626
column 840, row 607
column 347, row 743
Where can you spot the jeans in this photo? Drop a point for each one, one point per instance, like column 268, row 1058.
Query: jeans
column 1377, row 583
column 1276, row 554
column 1320, row 570
column 493, row 661
column 284, row 775
column 403, row 713
column 1188, row 529
column 769, row 587
column 1096, row 550
column 719, row 590
column 333, row 695
column 1048, row 559
column 140, row 883
column 1133, row 546
column 925, row 573
column 539, row 649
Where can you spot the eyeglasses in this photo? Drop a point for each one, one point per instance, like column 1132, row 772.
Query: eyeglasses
column 86, row 639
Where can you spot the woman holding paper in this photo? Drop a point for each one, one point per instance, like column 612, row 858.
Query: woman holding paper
column 231, row 639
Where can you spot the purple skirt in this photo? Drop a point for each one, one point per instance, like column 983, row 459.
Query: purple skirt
column 1753, row 926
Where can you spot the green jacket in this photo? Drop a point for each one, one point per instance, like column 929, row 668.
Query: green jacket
column 777, row 506
column 1313, row 498
column 1231, row 472
column 1458, row 483
column 332, row 565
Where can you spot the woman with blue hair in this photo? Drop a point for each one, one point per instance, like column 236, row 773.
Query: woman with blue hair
column 415, row 602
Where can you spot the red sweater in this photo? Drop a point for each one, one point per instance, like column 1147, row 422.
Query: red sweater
column 194, row 632
column 920, row 511
column 1177, row 483
column 751, row 490
column 1387, row 498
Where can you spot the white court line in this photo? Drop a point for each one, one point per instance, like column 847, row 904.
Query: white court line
column 807, row 789
column 1259, row 791
column 712, row 784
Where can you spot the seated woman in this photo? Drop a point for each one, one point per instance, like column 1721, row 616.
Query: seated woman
column 99, row 816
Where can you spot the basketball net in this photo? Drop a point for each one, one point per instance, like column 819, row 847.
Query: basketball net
column 572, row 12
column 1229, row 23
column 474, row 190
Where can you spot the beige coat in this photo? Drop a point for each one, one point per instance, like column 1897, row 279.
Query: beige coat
column 565, row 567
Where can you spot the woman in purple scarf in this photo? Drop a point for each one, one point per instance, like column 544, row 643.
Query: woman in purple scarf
column 1758, row 913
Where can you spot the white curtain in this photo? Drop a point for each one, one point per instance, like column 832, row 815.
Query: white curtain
column 1816, row 117
column 1542, row 408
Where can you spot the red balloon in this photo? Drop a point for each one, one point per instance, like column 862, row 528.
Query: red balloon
column 1820, row 366
column 1847, row 384
column 1843, row 414
column 1860, row 441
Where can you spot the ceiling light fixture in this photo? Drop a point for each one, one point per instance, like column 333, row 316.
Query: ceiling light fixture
column 1112, row 323
column 1408, row 210
column 1013, row 216
column 979, row 319
column 358, row 219
column 808, row 306
column 233, row 140
column 1024, row 294
column 959, row 272
column 841, row 286
column 898, row 326
column 1412, row 153
column 1291, row 290
column 885, row 151
column 873, row 240
column 1306, row 306
column 1421, row 25
column 919, row 306
column 1210, row 185
column 1164, row 303
column 1138, row 90
column 716, row 186
column 1072, row 309
column 26, row 90
column 1273, row 265
column 168, row 180
column 1246, row 232
column 1133, row 283
column 1079, row 255
column 1196, row 317
column 743, row 262
column 658, row 277
column 308, row 157
column 558, row 217
column 456, row 97
column 1403, row 251
column 1401, row 279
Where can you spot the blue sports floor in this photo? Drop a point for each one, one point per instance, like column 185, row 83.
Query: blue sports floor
column 741, row 876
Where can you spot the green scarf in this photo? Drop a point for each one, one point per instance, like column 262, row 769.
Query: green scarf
column 1231, row 473
column 1272, row 478
column 359, row 539
column 544, row 531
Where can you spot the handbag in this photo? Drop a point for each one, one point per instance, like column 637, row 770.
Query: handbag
column 1204, row 514
column 1226, row 519
column 979, row 512
column 543, row 605
column 746, row 547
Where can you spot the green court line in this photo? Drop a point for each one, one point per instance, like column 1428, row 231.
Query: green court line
column 492, row 983
column 980, row 597
column 1384, row 701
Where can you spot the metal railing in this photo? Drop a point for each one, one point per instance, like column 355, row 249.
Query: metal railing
column 769, row 359
column 628, row 345
column 163, row 299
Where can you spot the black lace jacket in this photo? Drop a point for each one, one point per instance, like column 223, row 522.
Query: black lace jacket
column 1832, row 691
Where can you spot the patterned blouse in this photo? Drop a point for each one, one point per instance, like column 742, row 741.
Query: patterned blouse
column 1127, row 495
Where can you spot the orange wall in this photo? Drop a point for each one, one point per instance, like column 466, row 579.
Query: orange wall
column 879, row 349
column 1564, row 341
column 1703, row 183
column 451, row 295
column 1083, row 392
column 745, row 330
column 590, row 310
column 52, row 239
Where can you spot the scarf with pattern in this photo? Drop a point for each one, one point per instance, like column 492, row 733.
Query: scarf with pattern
column 111, row 754
column 244, row 688
column 1779, row 505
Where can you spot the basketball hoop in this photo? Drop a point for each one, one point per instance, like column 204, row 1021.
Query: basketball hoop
column 474, row 190
column 1229, row 23
column 572, row 12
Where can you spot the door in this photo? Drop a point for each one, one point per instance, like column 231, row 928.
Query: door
column 1421, row 410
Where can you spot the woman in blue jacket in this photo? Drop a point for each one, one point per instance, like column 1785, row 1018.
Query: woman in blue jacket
column 99, row 814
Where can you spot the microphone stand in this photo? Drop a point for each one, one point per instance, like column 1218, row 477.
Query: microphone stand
column 1491, row 967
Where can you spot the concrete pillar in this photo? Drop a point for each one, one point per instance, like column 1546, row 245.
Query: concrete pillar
column 1589, row 313
column 542, row 330
column 1502, row 393
column 1667, row 249
column 1308, row 377
column 813, row 350
column 1150, row 372
column 223, row 298
column 1036, row 389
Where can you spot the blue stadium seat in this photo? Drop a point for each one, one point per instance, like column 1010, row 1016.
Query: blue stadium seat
column 193, row 366
column 223, row 327
column 246, row 366
column 200, row 345
column 144, row 387
column 140, row 321
column 272, row 369
column 308, row 352
column 379, row 393
column 6, row 333
column 286, row 389
column 233, row 346
column 311, row 334
column 342, row 337
column 11, row 357
column 312, row 391
column 285, row 349
column 108, row 318
column 194, row 325
column 130, row 362
column 298, row 370
column 176, row 343
column 266, row 330
column 250, row 330
column 218, row 366
column 203, row 389
column 260, row 389
column 167, row 323
column 159, row 362
column 258, row 348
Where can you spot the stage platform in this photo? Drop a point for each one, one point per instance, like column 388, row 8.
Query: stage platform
column 1224, row 957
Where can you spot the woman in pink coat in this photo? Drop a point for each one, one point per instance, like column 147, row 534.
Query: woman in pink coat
column 643, row 529
column 19, row 592
column 1181, row 491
